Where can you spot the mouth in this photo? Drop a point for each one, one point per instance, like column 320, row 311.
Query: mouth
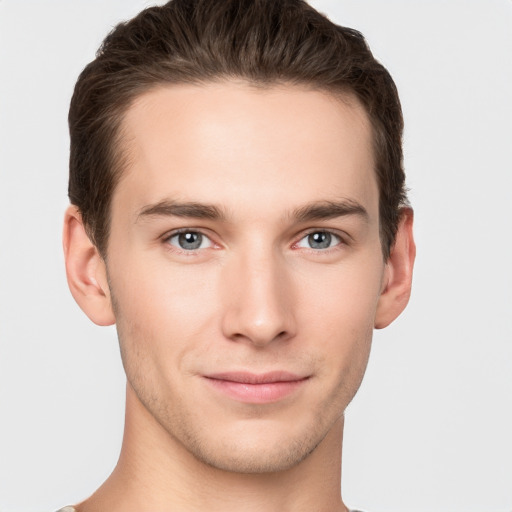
column 256, row 388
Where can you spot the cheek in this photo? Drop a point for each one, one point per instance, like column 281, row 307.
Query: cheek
column 343, row 298
column 340, row 314
column 161, row 314
column 168, row 317
column 160, row 294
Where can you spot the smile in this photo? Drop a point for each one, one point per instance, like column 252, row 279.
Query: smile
column 256, row 388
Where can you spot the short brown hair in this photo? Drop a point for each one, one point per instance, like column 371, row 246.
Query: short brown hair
column 200, row 41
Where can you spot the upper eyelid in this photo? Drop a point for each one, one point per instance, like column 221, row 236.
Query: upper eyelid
column 178, row 231
column 342, row 235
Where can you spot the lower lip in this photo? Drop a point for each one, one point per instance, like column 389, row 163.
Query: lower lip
column 263, row 393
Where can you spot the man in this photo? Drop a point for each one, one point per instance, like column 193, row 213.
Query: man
column 238, row 211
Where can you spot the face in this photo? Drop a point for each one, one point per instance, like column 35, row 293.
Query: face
column 245, row 267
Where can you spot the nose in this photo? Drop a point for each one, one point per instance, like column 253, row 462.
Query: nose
column 258, row 300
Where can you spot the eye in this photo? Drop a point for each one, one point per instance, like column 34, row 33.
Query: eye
column 189, row 240
column 319, row 240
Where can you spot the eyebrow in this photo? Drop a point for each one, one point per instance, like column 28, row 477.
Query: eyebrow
column 321, row 210
column 324, row 210
column 168, row 208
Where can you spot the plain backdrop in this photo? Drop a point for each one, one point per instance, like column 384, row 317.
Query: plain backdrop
column 431, row 427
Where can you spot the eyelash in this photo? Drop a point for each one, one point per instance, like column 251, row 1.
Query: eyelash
column 193, row 252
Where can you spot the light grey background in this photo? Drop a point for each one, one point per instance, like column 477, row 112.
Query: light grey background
column 431, row 428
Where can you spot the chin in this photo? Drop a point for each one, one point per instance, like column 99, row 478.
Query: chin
column 258, row 460
column 255, row 452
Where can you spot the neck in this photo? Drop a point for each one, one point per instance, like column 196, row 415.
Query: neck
column 155, row 472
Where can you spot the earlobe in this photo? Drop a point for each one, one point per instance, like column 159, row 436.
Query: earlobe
column 398, row 273
column 86, row 271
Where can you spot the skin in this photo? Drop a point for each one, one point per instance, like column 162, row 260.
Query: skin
column 261, row 175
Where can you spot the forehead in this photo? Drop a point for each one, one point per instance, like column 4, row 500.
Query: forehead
column 229, row 143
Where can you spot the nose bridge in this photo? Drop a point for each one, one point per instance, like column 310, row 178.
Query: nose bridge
column 260, row 301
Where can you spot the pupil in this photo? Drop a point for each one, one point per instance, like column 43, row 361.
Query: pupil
column 190, row 240
column 319, row 240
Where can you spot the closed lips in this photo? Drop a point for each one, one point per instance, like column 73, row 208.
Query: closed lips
column 256, row 388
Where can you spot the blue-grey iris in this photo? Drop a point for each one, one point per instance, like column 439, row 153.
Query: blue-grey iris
column 320, row 240
column 190, row 241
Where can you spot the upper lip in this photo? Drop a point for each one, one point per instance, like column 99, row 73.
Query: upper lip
column 257, row 378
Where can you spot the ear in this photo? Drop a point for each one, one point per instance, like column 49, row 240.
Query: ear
column 86, row 271
column 396, row 287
